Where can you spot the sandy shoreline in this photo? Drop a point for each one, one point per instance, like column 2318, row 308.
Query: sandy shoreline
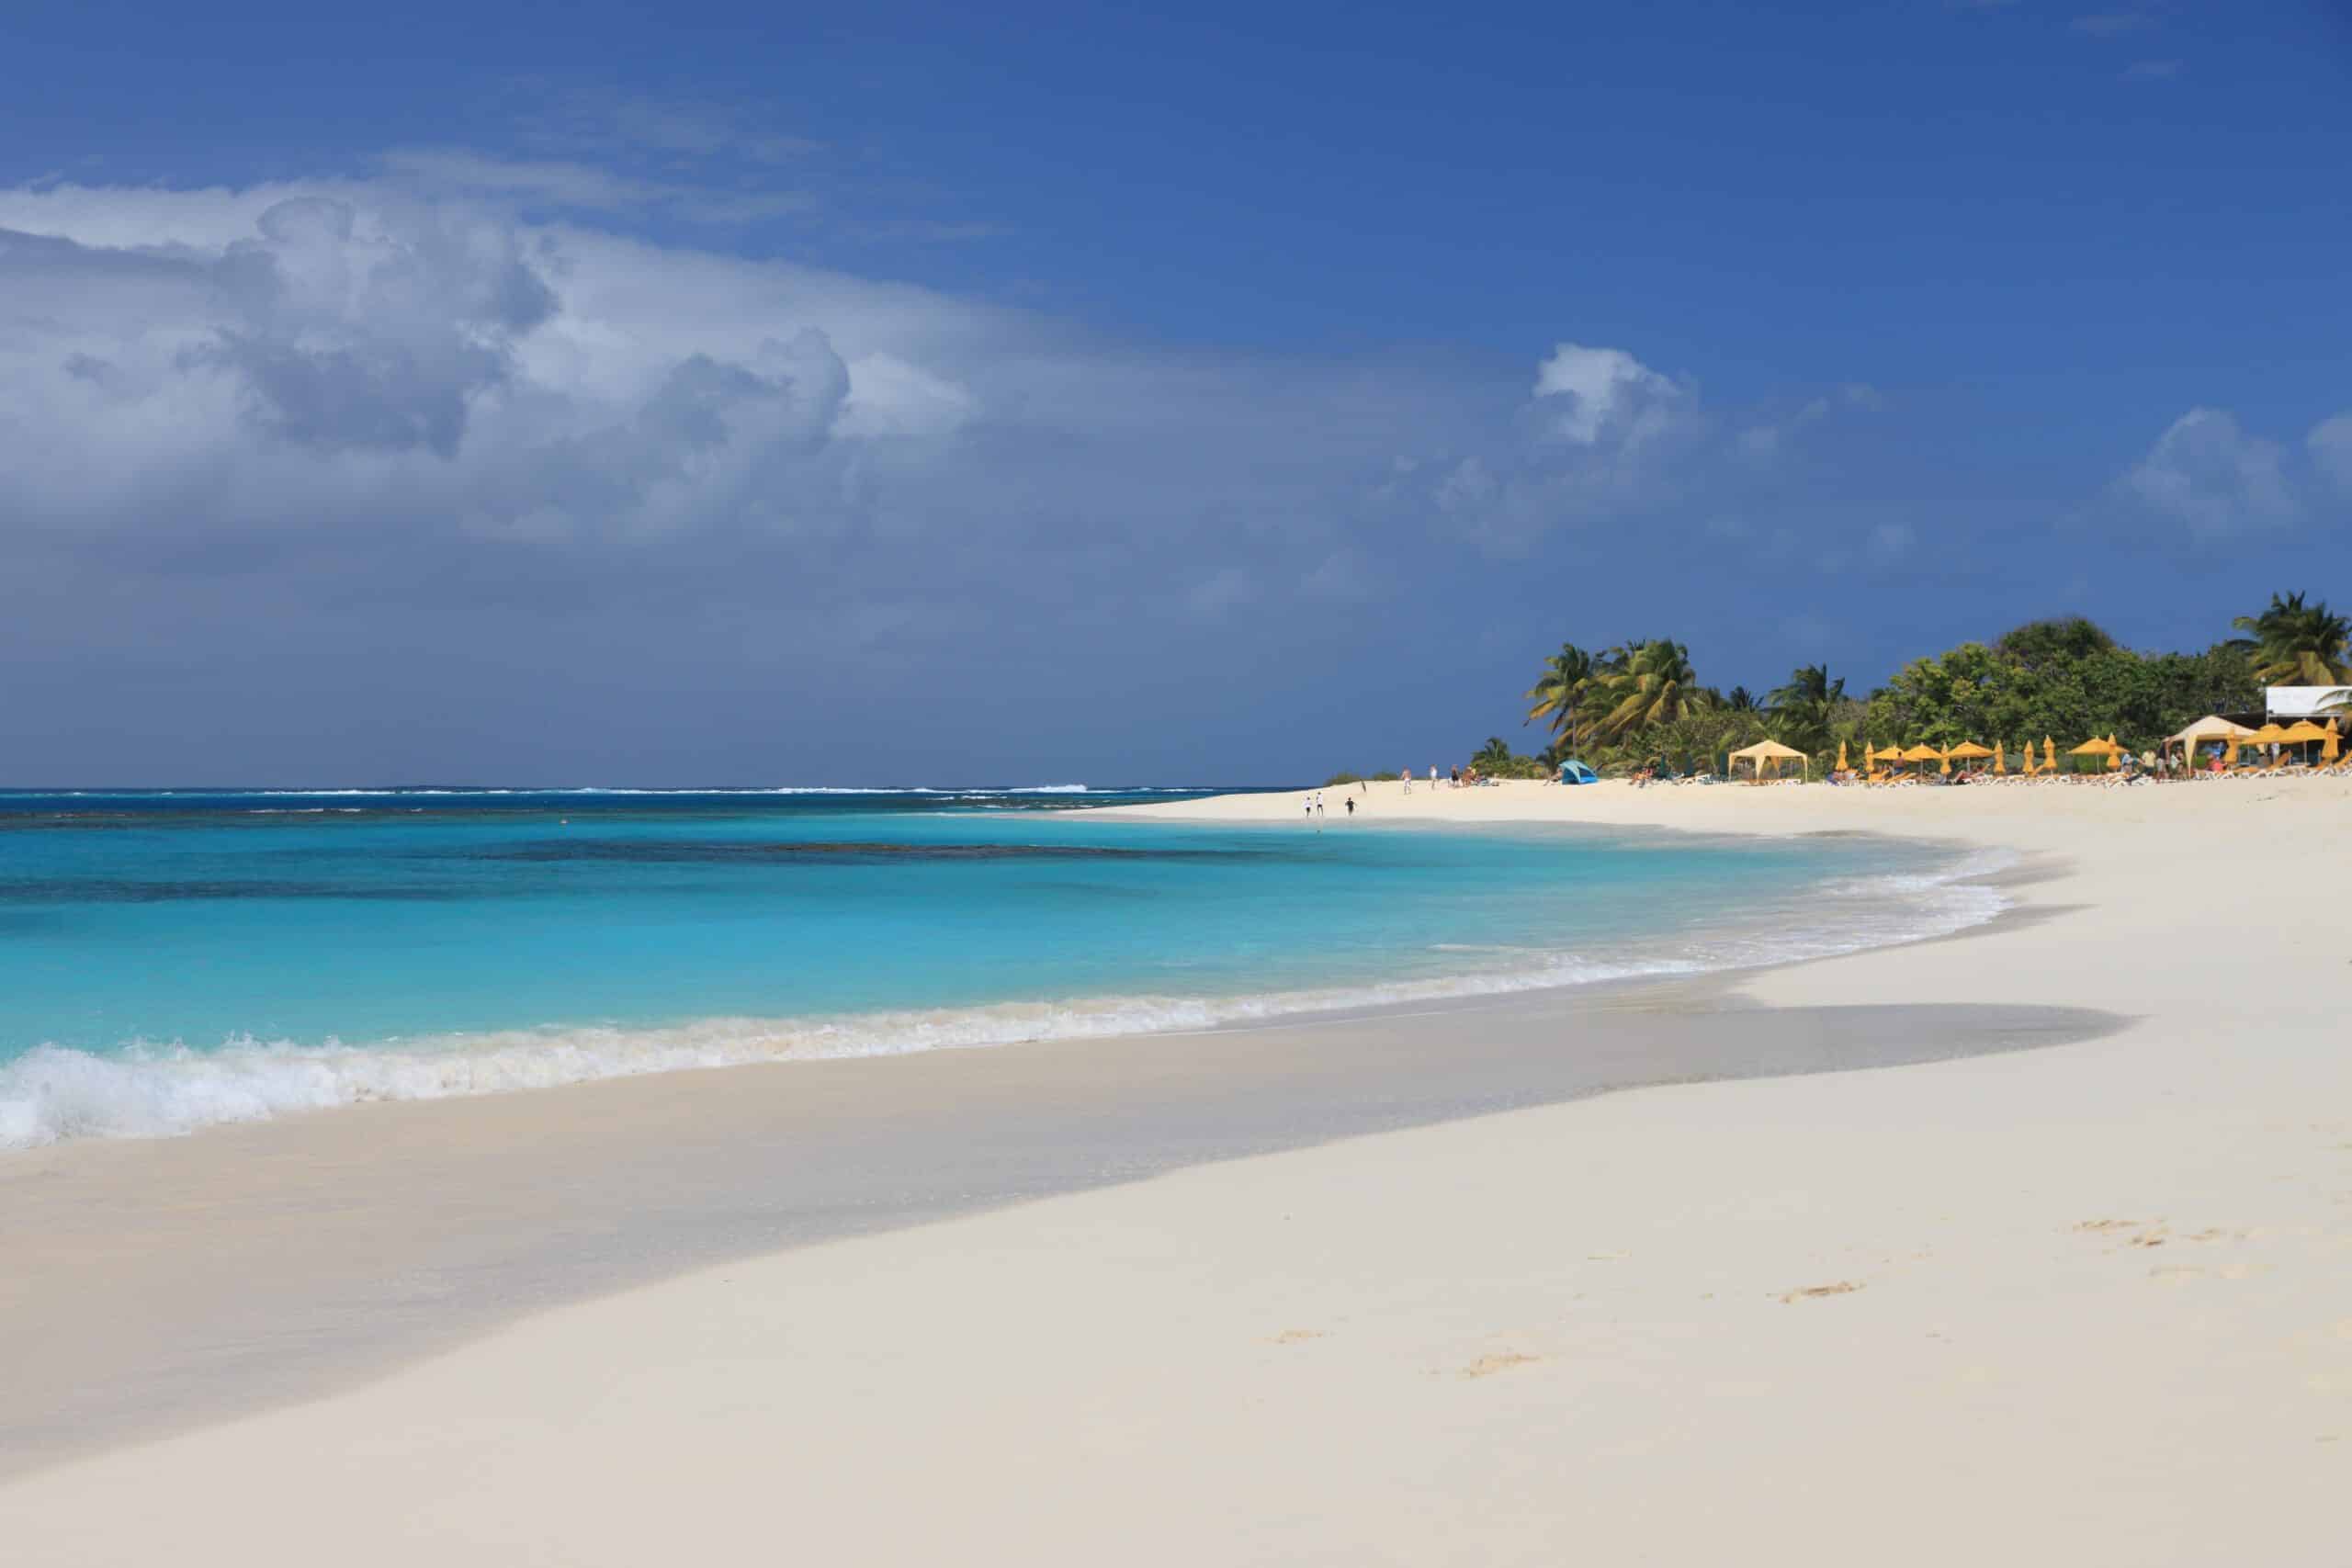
column 2101, row 1294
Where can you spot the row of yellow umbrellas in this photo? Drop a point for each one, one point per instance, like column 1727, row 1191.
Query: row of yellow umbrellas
column 2302, row 732
column 1968, row 750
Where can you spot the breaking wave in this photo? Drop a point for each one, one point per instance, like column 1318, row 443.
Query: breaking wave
column 54, row 1093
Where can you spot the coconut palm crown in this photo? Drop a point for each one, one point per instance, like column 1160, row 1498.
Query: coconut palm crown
column 1567, row 676
column 2299, row 645
column 1650, row 683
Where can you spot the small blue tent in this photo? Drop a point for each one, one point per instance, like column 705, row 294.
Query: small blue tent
column 1575, row 772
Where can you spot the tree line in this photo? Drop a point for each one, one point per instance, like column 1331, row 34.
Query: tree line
column 1640, row 702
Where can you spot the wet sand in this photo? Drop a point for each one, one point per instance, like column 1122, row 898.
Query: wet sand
column 155, row 1286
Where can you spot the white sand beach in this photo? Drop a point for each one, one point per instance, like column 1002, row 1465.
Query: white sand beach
column 2089, row 1304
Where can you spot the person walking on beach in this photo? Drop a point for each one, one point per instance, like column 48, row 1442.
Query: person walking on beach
column 1407, row 775
column 1351, row 805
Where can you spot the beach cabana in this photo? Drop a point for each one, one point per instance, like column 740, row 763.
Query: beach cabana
column 2213, row 729
column 1765, row 751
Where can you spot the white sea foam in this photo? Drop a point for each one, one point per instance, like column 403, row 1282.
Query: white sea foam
column 54, row 1093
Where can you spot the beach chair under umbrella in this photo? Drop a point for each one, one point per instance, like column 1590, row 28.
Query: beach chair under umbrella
column 1967, row 751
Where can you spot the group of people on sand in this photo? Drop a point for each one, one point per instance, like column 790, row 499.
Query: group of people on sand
column 1315, row 806
column 1449, row 781
column 1454, row 778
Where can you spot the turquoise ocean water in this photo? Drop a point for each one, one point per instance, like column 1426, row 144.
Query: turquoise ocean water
column 171, row 959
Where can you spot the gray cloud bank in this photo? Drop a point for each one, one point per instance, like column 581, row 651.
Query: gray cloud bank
column 344, row 481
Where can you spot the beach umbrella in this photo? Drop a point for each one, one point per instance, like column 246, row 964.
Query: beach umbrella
column 2330, row 748
column 2268, row 735
column 2001, row 757
column 1841, row 756
column 2304, row 732
column 2049, row 754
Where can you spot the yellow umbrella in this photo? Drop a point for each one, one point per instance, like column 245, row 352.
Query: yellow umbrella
column 2001, row 757
column 2114, row 752
column 1841, row 756
column 2268, row 735
column 2049, row 753
column 2330, row 748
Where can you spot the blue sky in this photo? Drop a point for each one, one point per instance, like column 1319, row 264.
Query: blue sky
column 540, row 392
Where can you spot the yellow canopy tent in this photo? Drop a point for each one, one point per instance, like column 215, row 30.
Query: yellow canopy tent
column 1765, row 751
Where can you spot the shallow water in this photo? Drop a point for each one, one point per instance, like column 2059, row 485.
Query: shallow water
column 169, row 960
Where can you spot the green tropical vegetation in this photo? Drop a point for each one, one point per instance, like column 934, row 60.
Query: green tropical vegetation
column 1639, row 703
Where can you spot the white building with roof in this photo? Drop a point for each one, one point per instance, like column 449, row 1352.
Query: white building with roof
column 2287, row 703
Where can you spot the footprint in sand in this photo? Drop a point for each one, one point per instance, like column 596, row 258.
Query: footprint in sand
column 1295, row 1336
column 1812, row 1292
column 1501, row 1362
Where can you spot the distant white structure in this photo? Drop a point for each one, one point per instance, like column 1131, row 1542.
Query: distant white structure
column 2306, row 702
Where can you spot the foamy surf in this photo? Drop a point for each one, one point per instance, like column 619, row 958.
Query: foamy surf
column 53, row 1094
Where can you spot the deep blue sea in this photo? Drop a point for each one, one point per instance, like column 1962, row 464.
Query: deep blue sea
column 170, row 959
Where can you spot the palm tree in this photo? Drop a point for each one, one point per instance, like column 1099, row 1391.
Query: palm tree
column 1803, row 708
column 1809, row 686
column 1494, row 758
column 1740, row 699
column 1654, row 684
column 2299, row 645
column 1568, row 675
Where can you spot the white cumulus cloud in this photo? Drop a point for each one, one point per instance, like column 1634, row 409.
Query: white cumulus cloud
column 2210, row 475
